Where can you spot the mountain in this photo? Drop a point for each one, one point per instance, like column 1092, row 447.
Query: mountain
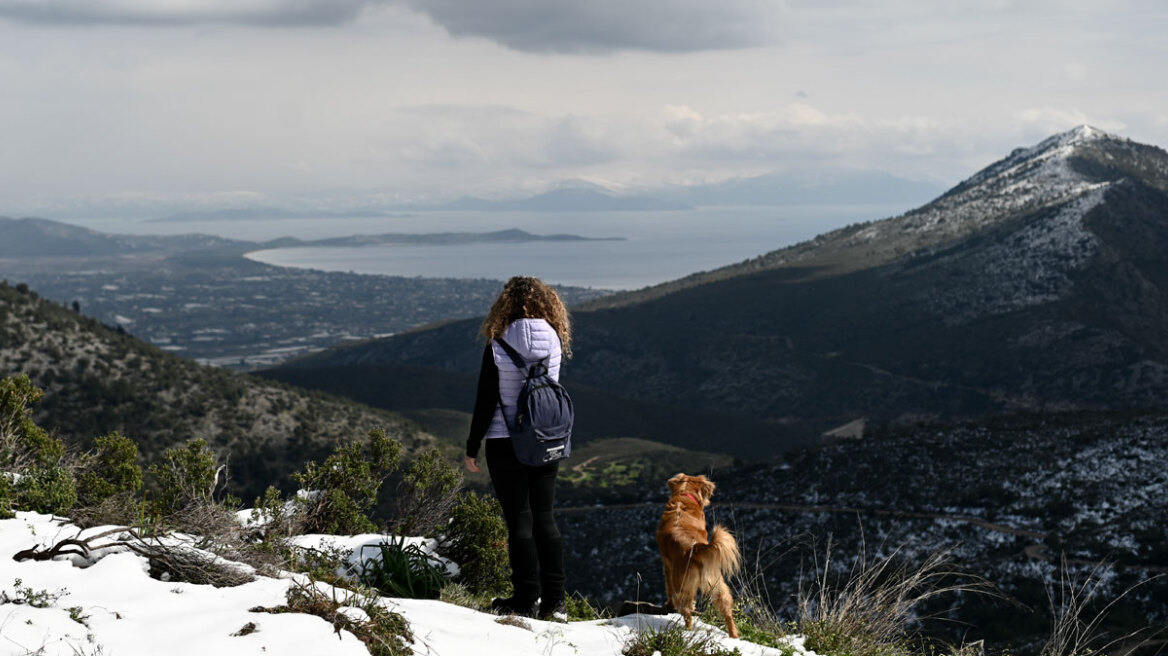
column 1038, row 284
column 33, row 237
column 97, row 379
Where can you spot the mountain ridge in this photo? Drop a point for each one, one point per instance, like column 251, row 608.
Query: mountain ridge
column 1039, row 283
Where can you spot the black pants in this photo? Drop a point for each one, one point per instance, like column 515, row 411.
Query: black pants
column 534, row 544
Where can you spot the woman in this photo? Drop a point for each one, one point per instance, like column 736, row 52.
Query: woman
column 530, row 317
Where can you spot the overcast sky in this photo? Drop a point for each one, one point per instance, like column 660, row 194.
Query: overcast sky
column 331, row 101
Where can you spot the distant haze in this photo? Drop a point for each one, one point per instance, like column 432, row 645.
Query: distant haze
column 136, row 107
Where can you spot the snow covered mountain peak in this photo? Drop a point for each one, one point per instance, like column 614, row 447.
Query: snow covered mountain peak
column 1027, row 180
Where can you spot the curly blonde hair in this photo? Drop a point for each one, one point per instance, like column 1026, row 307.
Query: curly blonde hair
column 524, row 297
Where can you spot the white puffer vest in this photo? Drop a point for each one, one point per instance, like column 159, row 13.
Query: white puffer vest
column 535, row 339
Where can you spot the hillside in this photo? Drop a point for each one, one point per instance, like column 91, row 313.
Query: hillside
column 97, row 379
column 1040, row 283
column 1010, row 498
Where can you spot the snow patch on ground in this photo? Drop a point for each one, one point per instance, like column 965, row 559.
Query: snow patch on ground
column 113, row 607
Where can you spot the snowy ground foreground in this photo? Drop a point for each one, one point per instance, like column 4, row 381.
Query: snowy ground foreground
column 127, row 613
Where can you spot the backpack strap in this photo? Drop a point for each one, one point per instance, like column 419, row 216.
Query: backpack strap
column 512, row 353
column 520, row 363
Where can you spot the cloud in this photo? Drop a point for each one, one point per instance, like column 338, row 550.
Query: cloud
column 451, row 137
column 541, row 26
column 796, row 128
column 599, row 26
column 185, row 12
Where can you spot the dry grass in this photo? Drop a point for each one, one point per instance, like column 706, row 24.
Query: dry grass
column 1077, row 629
column 384, row 632
column 872, row 610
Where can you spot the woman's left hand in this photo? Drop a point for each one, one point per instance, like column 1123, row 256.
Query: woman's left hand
column 472, row 464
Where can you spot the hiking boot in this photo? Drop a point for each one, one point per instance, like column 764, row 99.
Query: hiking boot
column 553, row 611
column 513, row 606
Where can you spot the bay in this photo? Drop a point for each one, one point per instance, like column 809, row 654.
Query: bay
column 654, row 247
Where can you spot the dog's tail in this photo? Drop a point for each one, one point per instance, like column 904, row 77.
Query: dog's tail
column 720, row 557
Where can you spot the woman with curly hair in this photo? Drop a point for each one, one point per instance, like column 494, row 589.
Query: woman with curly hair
column 532, row 319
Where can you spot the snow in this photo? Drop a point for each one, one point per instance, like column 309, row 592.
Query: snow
column 1033, row 266
column 1027, row 180
column 123, row 611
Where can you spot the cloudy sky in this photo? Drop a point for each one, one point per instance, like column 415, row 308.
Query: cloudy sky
column 107, row 102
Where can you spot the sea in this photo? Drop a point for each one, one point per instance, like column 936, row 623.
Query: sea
column 649, row 247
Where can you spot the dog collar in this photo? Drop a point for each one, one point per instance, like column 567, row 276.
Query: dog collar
column 693, row 497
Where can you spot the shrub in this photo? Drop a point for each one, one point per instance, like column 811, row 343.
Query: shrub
column 123, row 509
column 384, row 633
column 23, row 594
column 426, row 495
column 186, row 476
column 5, row 496
column 476, row 539
column 111, row 469
column 42, row 481
column 404, row 570
column 581, row 610
column 46, row 489
column 274, row 518
column 344, row 489
column 675, row 640
column 459, row 595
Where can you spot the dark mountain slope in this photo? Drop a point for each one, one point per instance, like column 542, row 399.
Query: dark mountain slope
column 98, row 380
column 1039, row 283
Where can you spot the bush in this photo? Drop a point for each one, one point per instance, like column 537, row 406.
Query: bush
column 426, row 495
column 273, row 518
column 111, row 469
column 5, row 496
column 32, row 462
column 187, row 476
column 476, row 539
column 344, row 489
column 581, row 610
column 675, row 640
column 46, row 490
column 404, row 570
column 384, row 633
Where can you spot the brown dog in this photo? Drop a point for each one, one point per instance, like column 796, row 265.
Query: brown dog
column 693, row 560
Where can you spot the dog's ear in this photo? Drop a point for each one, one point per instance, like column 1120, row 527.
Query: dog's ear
column 706, row 486
column 676, row 482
